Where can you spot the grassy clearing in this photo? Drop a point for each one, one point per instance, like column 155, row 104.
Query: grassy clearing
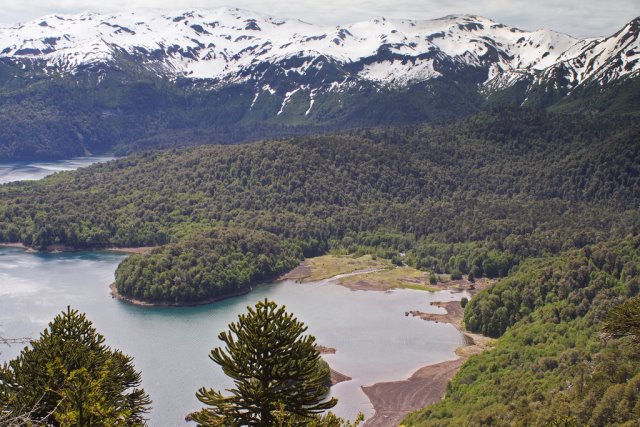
column 327, row 266
column 400, row 277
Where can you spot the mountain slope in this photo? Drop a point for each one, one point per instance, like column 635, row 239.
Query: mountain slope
column 87, row 82
column 232, row 45
column 552, row 366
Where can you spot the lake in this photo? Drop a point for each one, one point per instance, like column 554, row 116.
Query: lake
column 29, row 171
column 374, row 340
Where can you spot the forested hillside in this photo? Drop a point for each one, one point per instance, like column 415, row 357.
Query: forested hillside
column 90, row 83
column 205, row 267
column 63, row 118
column 476, row 195
column 553, row 365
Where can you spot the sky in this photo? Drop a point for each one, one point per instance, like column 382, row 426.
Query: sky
column 580, row 18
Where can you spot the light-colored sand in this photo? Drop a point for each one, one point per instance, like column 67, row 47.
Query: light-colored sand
column 138, row 250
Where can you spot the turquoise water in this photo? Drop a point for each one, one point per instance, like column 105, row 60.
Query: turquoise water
column 29, row 171
column 374, row 340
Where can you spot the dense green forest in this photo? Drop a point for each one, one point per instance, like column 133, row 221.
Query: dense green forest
column 125, row 107
column 129, row 109
column 475, row 195
column 220, row 263
column 552, row 366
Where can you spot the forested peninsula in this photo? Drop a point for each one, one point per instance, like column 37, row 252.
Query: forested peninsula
column 473, row 196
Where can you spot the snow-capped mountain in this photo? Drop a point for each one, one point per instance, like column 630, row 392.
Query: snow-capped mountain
column 231, row 45
column 75, row 84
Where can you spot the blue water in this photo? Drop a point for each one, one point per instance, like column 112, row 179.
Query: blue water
column 374, row 340
column 29, row 171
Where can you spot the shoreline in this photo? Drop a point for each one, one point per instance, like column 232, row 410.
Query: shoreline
column 18, row 246
column 115, row 294
column 57, row 248
column 133, row 301
column 394, row 400
column 335, row 376
column 391, row 400
column 130, row 250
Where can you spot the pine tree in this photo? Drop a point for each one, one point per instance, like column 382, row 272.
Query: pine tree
column 277, row 372
column 69, row 377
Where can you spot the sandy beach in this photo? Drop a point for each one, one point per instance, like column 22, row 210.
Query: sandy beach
column 392, row 401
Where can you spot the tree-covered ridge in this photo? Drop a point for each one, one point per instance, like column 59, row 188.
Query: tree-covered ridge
column 476, row 195
column 131, row 109
column 573, row 285
column 208, row 266
column 552, row 365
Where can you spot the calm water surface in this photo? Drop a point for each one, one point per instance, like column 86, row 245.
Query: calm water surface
column 29, row 171
column 374, row 340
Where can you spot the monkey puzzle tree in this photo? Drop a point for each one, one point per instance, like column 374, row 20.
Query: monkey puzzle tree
column 69, row 377
column 276, row 371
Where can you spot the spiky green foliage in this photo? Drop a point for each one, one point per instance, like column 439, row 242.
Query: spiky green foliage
column 285, row 419
column 275, row 368
column 69, row 377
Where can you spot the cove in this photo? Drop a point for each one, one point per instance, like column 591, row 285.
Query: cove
column 374, row 340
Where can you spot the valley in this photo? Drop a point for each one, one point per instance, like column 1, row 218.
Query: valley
column 435, row 222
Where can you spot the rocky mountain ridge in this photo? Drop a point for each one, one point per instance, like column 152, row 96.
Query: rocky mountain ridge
column 226, row 46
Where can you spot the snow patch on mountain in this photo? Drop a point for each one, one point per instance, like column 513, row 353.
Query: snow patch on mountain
column 399, row 73
column 230, row 45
